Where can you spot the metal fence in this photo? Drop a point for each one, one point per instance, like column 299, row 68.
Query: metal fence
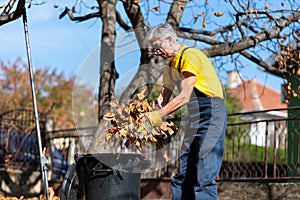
column 18, row 141
column 260, row 145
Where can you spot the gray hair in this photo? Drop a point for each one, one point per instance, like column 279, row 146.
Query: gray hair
column 160, row 32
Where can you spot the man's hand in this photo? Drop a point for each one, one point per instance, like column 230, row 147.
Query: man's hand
column 149, row 120
column 154, row 118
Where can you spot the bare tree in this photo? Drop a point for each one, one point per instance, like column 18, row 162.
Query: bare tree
column 229, row 31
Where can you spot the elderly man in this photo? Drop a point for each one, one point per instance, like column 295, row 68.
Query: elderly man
column 203, row 145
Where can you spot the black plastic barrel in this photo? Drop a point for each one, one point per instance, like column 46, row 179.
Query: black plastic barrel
column 110, row 176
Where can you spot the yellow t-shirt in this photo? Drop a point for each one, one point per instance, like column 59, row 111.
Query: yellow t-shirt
column 196, row 62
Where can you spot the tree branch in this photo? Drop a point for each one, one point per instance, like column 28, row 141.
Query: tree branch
column 122, row 23
column 80, row 18
column 8, row 17
column 234, row 47
column 266, row 66
column 8, row 7
column 209, row 33
column 198, row 38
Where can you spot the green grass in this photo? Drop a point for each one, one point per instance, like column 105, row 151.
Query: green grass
column 245, row 152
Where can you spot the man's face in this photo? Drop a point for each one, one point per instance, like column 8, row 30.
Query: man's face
column 161, row 48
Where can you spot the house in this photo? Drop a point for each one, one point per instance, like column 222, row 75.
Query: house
column 255, row 96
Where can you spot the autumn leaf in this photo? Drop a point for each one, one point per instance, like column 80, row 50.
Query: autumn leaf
column 123, row 133
column 142, row 94
column 201, row 14
column 138, row 145
column 152, row 138
column 155, row 8
column 218, row 14
column 203, row 23
column 109, row 116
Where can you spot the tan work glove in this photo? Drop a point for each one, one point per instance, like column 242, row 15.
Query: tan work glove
column 154, row 118
column 150, row 119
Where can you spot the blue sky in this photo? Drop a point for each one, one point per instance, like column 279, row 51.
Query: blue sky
column 67, row 46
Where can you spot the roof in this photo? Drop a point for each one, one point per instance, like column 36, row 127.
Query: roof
column 255, row 96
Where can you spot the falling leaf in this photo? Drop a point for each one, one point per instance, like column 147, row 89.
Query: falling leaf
column 218, row 14
column 55, row 6
column 155, row 8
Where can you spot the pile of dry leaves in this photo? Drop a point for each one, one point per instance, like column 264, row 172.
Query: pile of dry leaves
column 130, row 124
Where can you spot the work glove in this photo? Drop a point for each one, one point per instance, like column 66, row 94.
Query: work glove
column 154, row 118
column 149, row 120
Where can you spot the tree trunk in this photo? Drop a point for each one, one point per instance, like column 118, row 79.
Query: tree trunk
column 108, row 73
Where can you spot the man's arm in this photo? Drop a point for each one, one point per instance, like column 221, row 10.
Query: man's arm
column 164, row 95
column 187, row 86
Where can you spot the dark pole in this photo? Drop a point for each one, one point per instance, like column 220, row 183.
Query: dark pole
column 43, row 160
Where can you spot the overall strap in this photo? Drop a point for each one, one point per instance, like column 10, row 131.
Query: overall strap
column 179, row 63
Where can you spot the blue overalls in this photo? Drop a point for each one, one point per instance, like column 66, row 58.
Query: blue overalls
column 202, row 150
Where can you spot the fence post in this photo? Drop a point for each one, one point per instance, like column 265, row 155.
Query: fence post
column 266, row 150
column 293, row 130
